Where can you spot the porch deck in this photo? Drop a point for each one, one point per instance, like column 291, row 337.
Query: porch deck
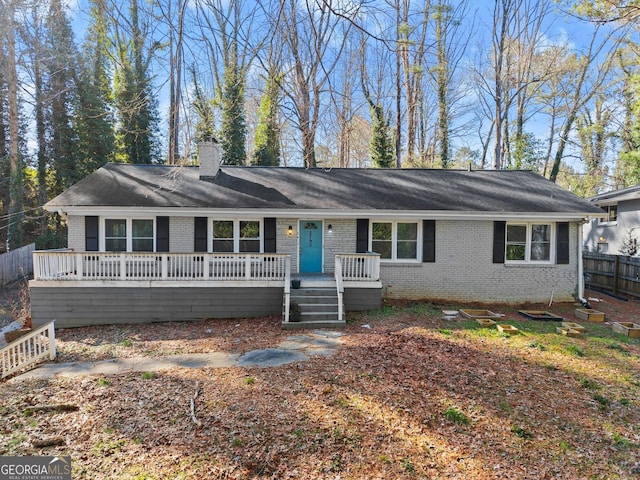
column 88, row 288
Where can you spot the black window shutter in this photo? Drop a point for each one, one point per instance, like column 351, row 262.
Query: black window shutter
column 499, row 239
column 91, row 234
column 162, row 234
column 200, row 237
column 562, row 243
column 429, row 241
column 362, row 235
column 270, row 235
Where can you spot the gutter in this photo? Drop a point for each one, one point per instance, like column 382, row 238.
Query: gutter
column 581, row 298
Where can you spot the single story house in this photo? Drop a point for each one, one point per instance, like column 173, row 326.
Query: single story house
column 155, row 243
column 620, row 221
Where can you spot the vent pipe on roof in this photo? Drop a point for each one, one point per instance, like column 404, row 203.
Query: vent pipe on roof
column 209, row 157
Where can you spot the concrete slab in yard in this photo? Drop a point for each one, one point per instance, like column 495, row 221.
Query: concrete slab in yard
column 271, row 357
column 295, row 348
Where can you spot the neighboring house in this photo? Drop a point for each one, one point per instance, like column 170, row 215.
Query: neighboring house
column 620, row 221
column 153, row 243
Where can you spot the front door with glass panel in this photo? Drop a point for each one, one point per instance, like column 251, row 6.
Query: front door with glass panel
column 310, row 246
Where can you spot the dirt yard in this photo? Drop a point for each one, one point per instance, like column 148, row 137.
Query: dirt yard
column 408, row 395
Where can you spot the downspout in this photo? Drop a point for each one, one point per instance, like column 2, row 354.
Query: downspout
column 581, row 298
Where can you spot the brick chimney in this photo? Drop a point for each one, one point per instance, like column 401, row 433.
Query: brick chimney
column 209, row 158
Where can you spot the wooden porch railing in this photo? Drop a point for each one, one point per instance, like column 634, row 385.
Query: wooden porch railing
column 29, row 349
column 50, row 265
column 339, row 287
column 359, row 266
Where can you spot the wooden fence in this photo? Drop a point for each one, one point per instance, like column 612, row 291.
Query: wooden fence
column 613, row 273
column 16, row 264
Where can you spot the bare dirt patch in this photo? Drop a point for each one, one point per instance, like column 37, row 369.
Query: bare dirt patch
column 407, row 395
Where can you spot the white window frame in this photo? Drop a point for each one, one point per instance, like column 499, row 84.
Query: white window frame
column 236, row 233
column 394, row 241
column 527, row 253
column 608, row 220
column 129, row 232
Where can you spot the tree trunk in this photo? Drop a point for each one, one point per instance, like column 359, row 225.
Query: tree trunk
column 15, row 229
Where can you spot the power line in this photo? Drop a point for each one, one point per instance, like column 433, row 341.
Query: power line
column 9, row 215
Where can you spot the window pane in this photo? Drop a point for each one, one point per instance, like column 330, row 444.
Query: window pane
column 250, row 229
column 540, row 242
column 142, row 228
column 613, row 213
column 115, row 235
column 381, row 231
column 115, row 245
column 115, row 228
column 407, row 250
column 142, row 244
column 382, row 247
column 516, row 242
column 515, row 252
column 249, row 245
column 223, row 229
column 407, row 231
column 142, row 235
column 225, row 246
column 516, row 234
column 540, row 251
column 540, row 233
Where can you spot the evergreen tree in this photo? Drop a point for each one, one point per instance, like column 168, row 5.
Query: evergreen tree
column 628, row 164
column 96, row 137
column 61, row 98
column 203, row 109
column 8, row 44
column 267, row 143
column 381, row 142
column 233, row 127
column 5, row 171
column 135, row 104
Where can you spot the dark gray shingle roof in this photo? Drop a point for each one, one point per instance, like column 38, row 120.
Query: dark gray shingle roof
column 153, row 186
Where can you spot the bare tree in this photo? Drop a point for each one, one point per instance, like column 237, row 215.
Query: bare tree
column 591, row 75
column 313, row 42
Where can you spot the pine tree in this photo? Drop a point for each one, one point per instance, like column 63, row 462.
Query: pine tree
column 60, row 98
column 96, row 137
column 233, row 127
column 203, row 109
column 267, row 143
column 135, row 104
column 8, row 42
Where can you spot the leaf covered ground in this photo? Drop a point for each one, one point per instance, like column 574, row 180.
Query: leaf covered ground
column 409, row 394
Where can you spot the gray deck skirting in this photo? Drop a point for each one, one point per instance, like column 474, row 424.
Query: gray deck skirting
column 75, row 306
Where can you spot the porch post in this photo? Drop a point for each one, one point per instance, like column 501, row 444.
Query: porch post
column 164, row 266
column 52, row 341
column 36, row 266
column 79, row 266
column 123, row 266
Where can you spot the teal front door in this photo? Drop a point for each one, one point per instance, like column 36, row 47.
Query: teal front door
column 310, row 246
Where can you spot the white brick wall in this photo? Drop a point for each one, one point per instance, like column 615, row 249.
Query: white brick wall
column 341, row 240
column 285, row 243
column 75, row 233
column 464, row 271
column 181, row 234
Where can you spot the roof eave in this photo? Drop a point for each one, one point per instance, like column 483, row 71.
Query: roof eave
column 114, row 211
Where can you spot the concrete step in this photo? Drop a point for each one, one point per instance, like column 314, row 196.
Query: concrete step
column 313, row 324
column 314, row 306
column 313, row 292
